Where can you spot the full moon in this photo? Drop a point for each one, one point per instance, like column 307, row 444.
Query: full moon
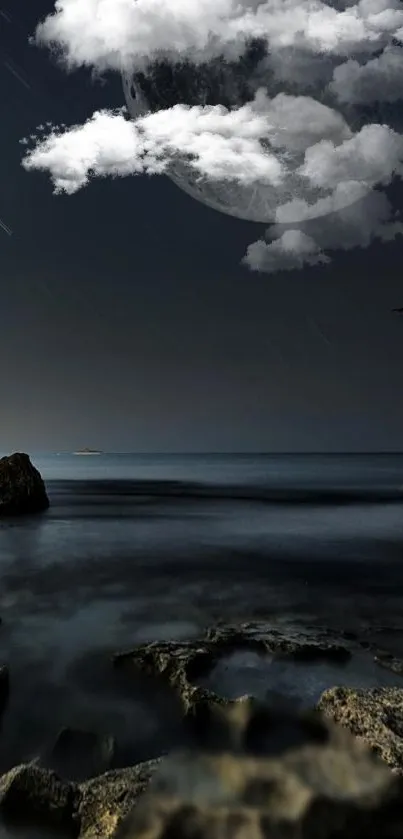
column 232, row 84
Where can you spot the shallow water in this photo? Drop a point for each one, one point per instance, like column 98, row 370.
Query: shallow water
column 266, row 677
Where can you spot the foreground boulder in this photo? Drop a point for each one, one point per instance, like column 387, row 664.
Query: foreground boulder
column 269, row 775
column 22, row 489
column 375, row 716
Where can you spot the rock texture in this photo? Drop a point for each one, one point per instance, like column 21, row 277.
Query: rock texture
column 181, row 663
column 37, row 797
column 251, row 772
column 22, row 489
column 375, row 716
column 267, row 775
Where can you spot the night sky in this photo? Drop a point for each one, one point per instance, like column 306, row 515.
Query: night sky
column 127, row 322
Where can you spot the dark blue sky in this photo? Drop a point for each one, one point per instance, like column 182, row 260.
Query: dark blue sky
column 127, row 323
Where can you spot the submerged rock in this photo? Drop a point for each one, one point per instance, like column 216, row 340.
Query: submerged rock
column 22, row 489
column 375, row 716
column 273, row 775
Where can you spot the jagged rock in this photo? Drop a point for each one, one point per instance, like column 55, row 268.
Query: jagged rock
column 22, row 489
column 375, row 716
column 106, row 800
column 29, row 794
column 4, row 688
column 181, row 663
column 269, row 775
column 78, row 754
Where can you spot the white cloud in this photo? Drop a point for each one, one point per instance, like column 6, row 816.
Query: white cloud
column 374, row 155
column 305, row 151
column 120, row 33
column 291, row 251
column 355, row 226
column 377, row 80
column 220, row 144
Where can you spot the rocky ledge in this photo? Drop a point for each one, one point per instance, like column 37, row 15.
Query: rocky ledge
column 181, row 664
column 22, row 489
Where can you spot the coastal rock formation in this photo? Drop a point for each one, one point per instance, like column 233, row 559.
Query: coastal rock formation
column 22, row 489
column 180, row 663
column 375, row 716
column 257, row 774
column 270, row 776
column 31, row 796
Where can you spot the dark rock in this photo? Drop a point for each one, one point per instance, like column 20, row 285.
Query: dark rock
column 375, row 716
column 299, row 777
column 181, row 663
column 33, row 797
column 78, row 754
column 22, row 489
column 29, row 794
column 4, row 688
column 106, row 800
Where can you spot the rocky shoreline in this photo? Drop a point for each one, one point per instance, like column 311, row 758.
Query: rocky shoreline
column 96, row 807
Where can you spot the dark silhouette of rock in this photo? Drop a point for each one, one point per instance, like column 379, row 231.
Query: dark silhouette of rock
column 22, row 489
column 375, row 716
column 270, row 775
column 4, row 688
column 78, row 755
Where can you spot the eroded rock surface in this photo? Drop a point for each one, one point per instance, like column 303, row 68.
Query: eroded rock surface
column 274, row 776
column 182, row 663
column 22, row 489
column 375, row 716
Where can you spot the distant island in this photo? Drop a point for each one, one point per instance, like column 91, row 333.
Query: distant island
column 87, row 451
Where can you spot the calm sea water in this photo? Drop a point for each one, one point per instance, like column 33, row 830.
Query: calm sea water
column 138, row 548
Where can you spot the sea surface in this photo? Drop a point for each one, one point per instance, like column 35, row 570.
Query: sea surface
column 137, row 548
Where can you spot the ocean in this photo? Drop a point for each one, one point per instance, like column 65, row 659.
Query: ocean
column 140, row 547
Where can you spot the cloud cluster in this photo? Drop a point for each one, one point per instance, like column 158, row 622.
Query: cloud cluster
column 117, row 34
column 355, row 226
column 305, row 144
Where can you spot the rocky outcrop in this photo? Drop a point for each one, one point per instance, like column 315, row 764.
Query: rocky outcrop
column 267, row 775
column 106, row 801
column 22, row 489
column 256, row 773
column 31, row 796
column 375, row 716
column 180, row 664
